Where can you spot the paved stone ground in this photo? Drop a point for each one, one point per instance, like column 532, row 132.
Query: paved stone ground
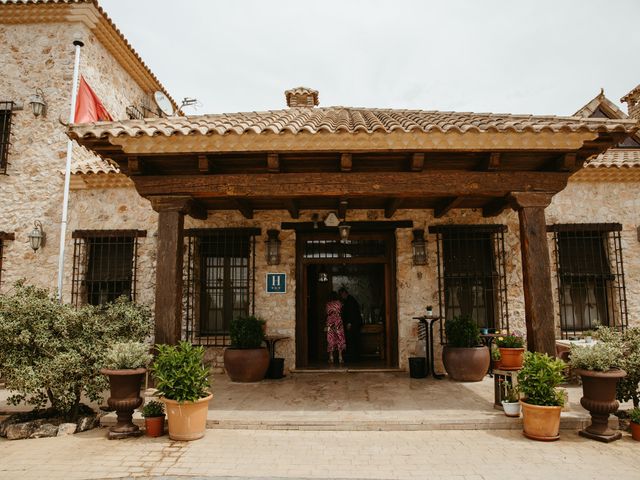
column 269, row 454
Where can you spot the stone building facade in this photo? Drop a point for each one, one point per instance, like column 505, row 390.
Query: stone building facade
column 40, row 55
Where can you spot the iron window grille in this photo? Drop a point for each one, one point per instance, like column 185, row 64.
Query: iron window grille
column 590, row 276
column 6, row 114
column 351, row 248
column 219, row 282
column 471, row 274
column 104, row 265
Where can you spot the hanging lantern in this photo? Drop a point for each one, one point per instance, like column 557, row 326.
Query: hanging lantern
column 272, row 247
column 344, row 230
column 323, row 277
column 36, row 237
column 419, row 247
column 38, row 103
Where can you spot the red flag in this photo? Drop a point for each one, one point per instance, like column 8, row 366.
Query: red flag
column 89, row 108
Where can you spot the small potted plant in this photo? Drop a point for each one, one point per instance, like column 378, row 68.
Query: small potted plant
column 588, row 335
column 542, row 403
column 246, row 360
column 125, row 364
column 511, row 346
column 510, row 399
column 153, row 413
column 634, row 416
column 465, row 358
column 183, row 385
column 495, row 358
column 597, row 365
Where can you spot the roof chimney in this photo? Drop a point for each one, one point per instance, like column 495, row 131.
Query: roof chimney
column 301, row 97
column 632, row 100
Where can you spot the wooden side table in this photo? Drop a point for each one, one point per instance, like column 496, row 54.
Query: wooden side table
column 499, row 377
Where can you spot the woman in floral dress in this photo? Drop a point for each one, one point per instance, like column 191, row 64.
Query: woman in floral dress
column 335, row 329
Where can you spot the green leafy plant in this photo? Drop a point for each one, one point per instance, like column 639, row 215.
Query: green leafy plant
column 511, row 340
column 52, row 352
column 634, row 415
column 179, row 372
column 247, row 332
column 495, row 354
column 127, row 355
column 628, row 388
column 510, row 392
column 539, row 377
column 462, row 332
column 153, row 409
column 600, row 357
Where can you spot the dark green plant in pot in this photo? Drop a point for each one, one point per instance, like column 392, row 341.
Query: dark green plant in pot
column 539, row 377
column 247, row 332
column 462, row 332
column 179, row 372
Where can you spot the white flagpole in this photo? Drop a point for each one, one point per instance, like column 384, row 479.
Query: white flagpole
column 67, row 171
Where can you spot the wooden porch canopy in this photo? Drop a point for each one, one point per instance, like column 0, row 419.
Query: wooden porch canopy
column 307, row 158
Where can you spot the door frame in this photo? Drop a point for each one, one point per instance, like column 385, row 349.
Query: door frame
column 302, row 286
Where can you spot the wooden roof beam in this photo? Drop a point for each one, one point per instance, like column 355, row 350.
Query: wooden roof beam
column 273, row 163
column 446, row 205
column 244, row 207
column 495, row 207
column 492, row 162
column 392, row 207
column 293, row 207
column 135, row 166
column 346, row 162
column 342, row 208
column 417, row 162
column 204, row 166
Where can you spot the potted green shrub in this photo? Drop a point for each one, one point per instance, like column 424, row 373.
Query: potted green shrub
column 183, row 385
column 542, row 403
column 598, row 366
column 153, row 413
column 634, row 416
column 125, row 365
column 246, row 360
column 510, row 399
column 511, row 346
column 495, row 358
column 465, row 358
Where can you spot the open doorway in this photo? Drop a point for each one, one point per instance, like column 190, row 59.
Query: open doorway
column 363, row 269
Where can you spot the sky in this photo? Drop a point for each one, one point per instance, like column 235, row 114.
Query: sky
column 504, row 56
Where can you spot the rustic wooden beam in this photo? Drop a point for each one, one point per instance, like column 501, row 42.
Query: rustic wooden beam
column 244, row 207
column 346, row 162
column 446, row 205
column 342, row 208
column 536, row 271
column 273, row 163
column 567, row 162
column 203, row 164
column 185, row 204
column 495, row 207
column 434, row 183
column 493, row 162
column 417, row 162
column 293, row 207
column 135, row 166
column 392, row 207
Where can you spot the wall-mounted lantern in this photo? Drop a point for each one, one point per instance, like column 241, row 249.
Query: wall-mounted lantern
column 323, row 276
column 38, row 103
column 272, row 247
column 36, row 236
column 419, row 247
column 343, row 230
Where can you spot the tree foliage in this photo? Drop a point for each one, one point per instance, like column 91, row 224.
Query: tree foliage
column 629, row 344
column 52, row 352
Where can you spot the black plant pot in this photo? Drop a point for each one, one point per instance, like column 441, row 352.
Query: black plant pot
column 417, row 367
column 276, row 368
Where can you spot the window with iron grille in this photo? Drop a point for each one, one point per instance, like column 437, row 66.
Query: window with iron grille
column 3, row 237
column 104, row 265
column 219, row 282
column 590, row 275
column 6, row 111
column 471, row 273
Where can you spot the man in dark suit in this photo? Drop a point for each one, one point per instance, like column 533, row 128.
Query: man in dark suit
column 352, row 321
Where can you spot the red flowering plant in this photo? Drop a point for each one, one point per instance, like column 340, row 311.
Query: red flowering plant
column 514, row 339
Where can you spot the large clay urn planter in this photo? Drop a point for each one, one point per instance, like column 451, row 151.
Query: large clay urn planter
column 125, row 398
column 541, row 422
column 599, row 397
column 511, row 358
column 246, row 364
column 635, row 430
column 466, row 364
column 187, row 420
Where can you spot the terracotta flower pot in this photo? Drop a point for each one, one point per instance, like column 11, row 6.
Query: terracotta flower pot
column 154, row 426
column 188, row 420
column 511, row 358
column 466, row 364
column 125, row 398
column 635, row 431
column 599, row 397
column 541, row 422
column 246, row 364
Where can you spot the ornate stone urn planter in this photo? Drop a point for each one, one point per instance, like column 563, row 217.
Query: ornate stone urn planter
column 599, row 397
column 466, row 364
column 125, row 398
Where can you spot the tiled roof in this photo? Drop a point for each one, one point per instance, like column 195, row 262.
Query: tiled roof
column 601, row 101
column 91, row 165
column 616, row 158
column 630, row 94
column 347, row 120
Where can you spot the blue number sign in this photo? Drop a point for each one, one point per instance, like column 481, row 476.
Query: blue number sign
column 276, row 283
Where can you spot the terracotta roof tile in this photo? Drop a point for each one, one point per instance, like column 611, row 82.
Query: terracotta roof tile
column 90, row 165
column 349, row 120
column 616, row 158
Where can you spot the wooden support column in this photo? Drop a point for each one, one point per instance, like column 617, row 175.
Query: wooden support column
column 536, row 270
